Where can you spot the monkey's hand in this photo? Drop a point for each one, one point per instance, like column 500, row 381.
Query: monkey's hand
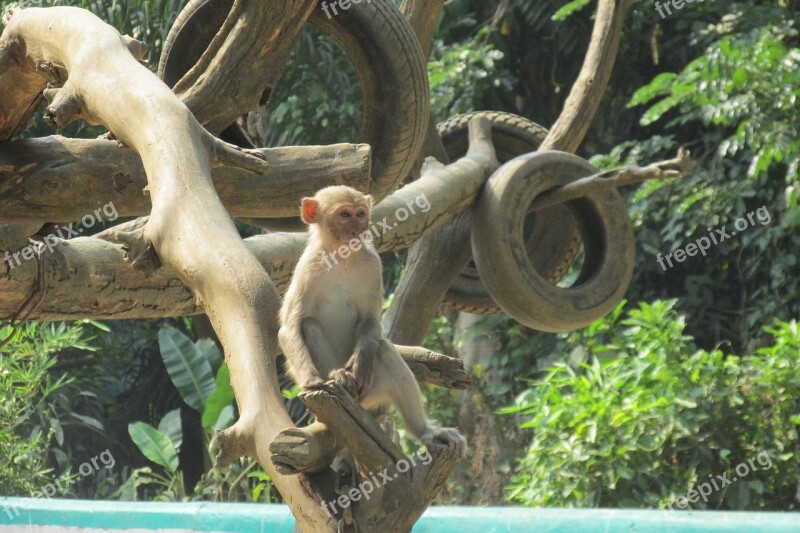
column 346, row 380
column 448, row 438
column 360, row 366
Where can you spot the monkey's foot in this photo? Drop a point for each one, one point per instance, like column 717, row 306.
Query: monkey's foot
column 346, row 380
column 448, row 438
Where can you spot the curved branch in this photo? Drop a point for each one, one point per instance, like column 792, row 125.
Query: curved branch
column 584, row 98
column 188, row 227
column 423, row 286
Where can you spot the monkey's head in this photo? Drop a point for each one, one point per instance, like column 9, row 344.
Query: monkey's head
column 341, row 213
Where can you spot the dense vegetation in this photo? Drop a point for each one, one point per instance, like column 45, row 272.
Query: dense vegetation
column 692, row 378
column 640, row 415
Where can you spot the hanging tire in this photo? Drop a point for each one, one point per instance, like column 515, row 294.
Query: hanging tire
column 385, row 53
column 554, row 242
column 502, row 257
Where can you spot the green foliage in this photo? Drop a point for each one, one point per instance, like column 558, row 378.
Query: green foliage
column 731, row 98
column 569, row 8
column 747, row 84
column 317, row 101
column 155, row 445
column 32, row 414
column 461, row 75
column 219, row 401
column 648, row 417
column 190, row 367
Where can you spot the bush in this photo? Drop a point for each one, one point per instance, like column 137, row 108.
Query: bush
column 648, row 417
column 29, row 419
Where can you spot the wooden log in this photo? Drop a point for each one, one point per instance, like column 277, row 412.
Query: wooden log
column 405, row 486
column 312, row 448
column 59, row 179
column 435, row 368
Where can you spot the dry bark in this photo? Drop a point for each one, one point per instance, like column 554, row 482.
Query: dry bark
column 257, row 37
column 60, row 179
column 312, row 448
column 406, row 492
column 615, row 178
column 423, row 15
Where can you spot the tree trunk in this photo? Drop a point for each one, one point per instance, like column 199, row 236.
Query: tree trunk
column 188, row 228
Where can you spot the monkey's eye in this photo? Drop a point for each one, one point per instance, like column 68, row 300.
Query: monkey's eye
column 361, row 214
column 345, row 214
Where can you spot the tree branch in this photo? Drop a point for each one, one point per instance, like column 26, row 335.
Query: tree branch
column 312, row 448
column 80, row 273
column 618, row 177
column 584, row 98
column 188, row 227
column 61, row 179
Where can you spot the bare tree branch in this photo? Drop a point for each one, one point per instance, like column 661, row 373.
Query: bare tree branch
column 584, row 98
column 60, row 179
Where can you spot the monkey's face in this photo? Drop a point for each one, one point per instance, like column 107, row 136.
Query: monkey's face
column 348, row 222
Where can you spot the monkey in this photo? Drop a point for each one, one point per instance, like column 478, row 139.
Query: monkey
column 330, row 316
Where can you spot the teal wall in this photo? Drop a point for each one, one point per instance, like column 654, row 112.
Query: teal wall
column 17, row 514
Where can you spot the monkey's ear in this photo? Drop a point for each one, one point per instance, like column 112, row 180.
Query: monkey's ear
column 309, row 212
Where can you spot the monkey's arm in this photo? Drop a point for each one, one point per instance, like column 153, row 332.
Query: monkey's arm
column 302, row 365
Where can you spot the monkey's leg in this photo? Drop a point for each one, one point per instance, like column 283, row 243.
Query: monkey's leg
column 394, row 383
column 323, row 356
column 318, row 345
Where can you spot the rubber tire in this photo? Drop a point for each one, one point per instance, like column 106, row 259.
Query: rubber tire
column 385, row 53
column 502, row 257
column 555, row 242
